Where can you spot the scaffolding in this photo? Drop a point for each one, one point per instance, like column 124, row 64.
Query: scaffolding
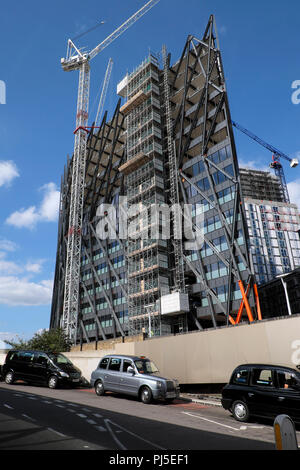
column 147, row 257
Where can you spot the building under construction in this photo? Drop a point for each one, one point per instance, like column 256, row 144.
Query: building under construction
column 273, row 225
column 169, row 145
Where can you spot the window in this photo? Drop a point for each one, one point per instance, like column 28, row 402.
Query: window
column 262, row 377
column 41, row 359
column 126, row 364
column 26, row 357
column 115, row 364
column 103, row 363
column 241, row 376
column 287, row 380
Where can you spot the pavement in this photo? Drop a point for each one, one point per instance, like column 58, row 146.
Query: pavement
column 205, row 399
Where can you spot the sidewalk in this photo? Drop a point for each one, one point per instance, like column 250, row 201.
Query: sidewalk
column 204, row 399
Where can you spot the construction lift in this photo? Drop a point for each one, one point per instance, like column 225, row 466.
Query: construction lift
column 77, row 59
column 275, row 163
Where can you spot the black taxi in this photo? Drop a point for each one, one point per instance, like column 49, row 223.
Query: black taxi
column 264, row 391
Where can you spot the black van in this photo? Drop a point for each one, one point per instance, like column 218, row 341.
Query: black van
column 53, row 369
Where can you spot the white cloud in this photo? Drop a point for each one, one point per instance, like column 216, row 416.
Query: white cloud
column 8, row 172
column 294, row 192
column 8, row 245
column 253, row 165
column 50, row 204
column 8, row 267
column 34, row 267
column 16, row 291
column 24, row 218
column 47, row 212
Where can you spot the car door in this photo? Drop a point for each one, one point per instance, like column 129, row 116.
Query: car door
column 263, row 393
column 25, row 363
column 129, row 383
column 112, row 374
column 40, row 367
column 288, row 394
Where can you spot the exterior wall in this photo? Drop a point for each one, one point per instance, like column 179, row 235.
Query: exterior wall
column 208, row 357
column 258, row 184
column 274, row 239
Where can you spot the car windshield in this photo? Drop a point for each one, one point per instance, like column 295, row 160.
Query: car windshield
column 144, row 366
column 59, row 359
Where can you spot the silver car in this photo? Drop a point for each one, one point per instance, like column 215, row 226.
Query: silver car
column 133, row 375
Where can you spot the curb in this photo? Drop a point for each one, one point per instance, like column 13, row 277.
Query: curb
column 204, row 401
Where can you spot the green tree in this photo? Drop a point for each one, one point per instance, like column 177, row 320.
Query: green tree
column 54, row 340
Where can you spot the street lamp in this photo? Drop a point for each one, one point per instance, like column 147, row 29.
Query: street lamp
column 281, row 276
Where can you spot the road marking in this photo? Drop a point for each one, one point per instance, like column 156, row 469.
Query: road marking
column 60, row 406
column 108, row 421
column 101, row 428
column 211, row 421
column 47, row 401
column 113, row 435
column 8, row 406
column 28, row 417
column 81, row 415
column 97, row 415
column 91, row 421
column 56, row 432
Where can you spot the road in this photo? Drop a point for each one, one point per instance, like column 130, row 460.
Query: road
column 33, row 417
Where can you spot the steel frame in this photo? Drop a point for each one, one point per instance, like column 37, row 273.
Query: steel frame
column 199, row 73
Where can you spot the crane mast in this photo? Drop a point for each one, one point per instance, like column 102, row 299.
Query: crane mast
column 79, row 60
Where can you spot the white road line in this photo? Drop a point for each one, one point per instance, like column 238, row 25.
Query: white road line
column 60, row 406
column 107, row 421
column 8, row 406
column 211, row 421
column 28, row 417
column 47, row 401
column 100, row 428
column 114, row 437
column 81, row 415
column 91, row 421
column 97, row 415
column 57, row 432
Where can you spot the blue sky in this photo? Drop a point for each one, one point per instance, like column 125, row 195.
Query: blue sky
column 261, row 55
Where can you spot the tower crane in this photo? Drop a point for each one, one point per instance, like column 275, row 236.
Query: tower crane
column 78, row 59
column 275, row 163
column 103, row 92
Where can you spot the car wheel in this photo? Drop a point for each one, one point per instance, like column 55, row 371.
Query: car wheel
column 146, row 395
column 53, row 381
column 240, row 411
column 99, row 388
column 9, row 378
